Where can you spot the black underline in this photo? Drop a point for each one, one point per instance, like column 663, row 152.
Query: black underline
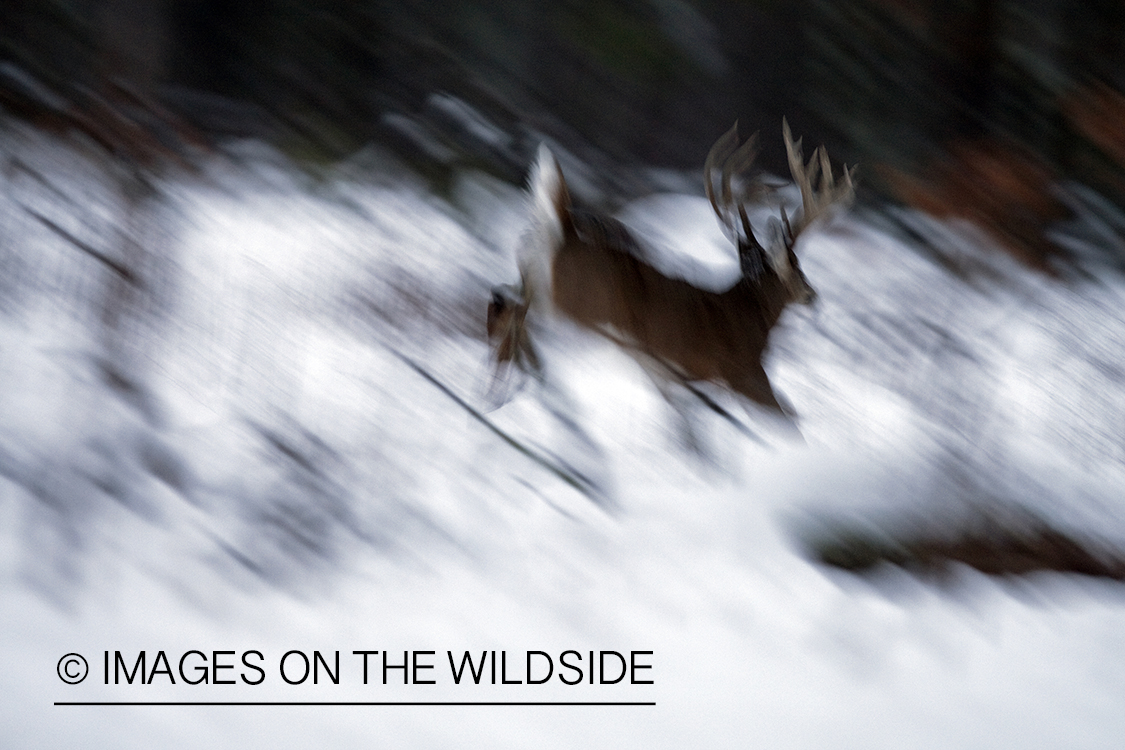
column 355, row 703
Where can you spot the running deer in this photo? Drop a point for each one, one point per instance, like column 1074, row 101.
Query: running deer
column 590, row 269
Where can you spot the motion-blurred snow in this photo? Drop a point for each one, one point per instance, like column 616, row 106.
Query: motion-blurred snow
column 275, row 476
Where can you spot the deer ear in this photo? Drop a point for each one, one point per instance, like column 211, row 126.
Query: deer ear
column 777, row 252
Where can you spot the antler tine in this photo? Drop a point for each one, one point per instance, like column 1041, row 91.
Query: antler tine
column 827, row 181
column 797, row 164
column 719, row 153
column 751, row 255
column 737, row 163
column 726, row 197
column 793, row 150
column 745, row 155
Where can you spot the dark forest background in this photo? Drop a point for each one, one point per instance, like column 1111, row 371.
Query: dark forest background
column 970, row 107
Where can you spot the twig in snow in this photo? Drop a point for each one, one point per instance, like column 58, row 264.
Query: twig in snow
column 566, row 474
column 119, row 268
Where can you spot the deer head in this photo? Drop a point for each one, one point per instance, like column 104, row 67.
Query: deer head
column 780, row 259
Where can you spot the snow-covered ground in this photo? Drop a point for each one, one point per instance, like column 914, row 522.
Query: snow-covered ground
column 287, row 480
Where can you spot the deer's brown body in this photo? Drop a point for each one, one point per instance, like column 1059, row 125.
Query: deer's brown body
column 695, row 333
column 588, row 268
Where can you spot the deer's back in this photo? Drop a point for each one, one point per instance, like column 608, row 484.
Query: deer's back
column 707, row 335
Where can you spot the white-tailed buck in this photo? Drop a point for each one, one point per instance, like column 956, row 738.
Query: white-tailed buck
column 590, row 269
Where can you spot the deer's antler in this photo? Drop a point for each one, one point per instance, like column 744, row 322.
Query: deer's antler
column 815, row 200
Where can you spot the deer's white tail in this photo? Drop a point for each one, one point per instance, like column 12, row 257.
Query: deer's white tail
column 549, row 195
column 549, row 206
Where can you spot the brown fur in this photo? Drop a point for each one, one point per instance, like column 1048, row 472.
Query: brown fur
column 698, row 334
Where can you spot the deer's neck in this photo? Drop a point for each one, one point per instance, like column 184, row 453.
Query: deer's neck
column 769, row 295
